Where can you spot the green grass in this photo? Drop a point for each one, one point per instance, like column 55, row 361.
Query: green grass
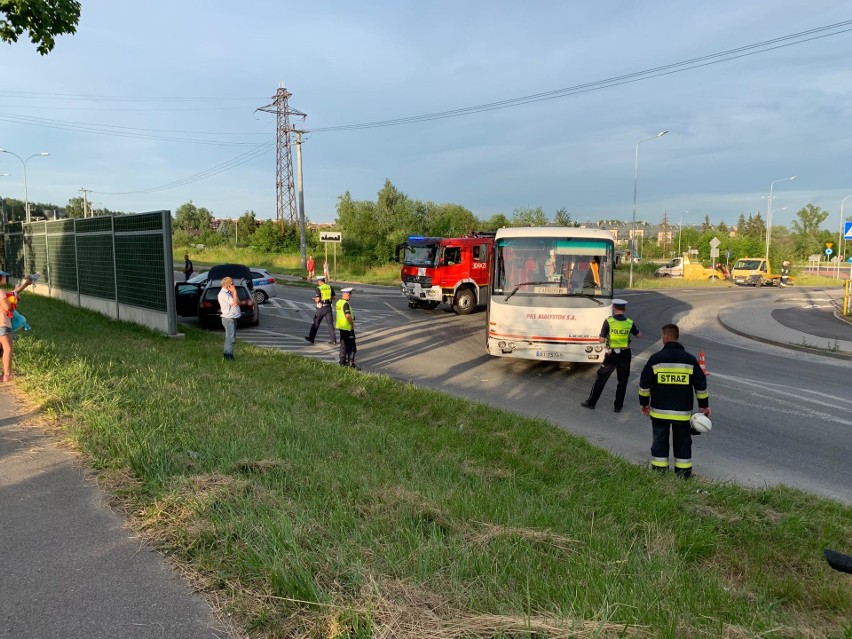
column 315, row 501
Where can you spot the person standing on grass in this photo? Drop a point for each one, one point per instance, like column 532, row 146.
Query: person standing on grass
column 324, row 299
column 6, row 330
column 311, row 265
column 666, row 385
column 187, row 267
column 615, row 332
column 229, row 305
column 345, row 321
column 326, row 272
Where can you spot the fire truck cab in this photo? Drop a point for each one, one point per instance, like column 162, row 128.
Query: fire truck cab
column 451, row 270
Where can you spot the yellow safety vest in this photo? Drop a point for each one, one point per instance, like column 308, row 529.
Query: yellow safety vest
column 619, row 332
column 340, row 320
column 325, row 293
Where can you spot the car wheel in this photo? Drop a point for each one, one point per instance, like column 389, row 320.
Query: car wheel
column 464, row 302
column 260, row 297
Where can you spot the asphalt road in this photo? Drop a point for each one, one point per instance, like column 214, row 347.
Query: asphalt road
column 779, row 416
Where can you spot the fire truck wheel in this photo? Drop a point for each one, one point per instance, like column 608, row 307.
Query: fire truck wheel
column 464, row 302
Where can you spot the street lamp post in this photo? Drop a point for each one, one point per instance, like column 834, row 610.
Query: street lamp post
column 769, row 214
column 635, row 181
column 680, row 232
column 840, row 235
column 24, row 163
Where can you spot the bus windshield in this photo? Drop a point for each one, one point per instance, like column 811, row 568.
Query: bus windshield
column 543, row 267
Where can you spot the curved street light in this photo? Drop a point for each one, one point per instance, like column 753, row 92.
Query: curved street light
column 24, row 163
column 635, row 181
column 769, row 214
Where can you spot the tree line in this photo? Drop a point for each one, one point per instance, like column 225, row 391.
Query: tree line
column 373, row 228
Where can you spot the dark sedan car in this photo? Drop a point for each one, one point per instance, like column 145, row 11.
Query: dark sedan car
column 199, row 298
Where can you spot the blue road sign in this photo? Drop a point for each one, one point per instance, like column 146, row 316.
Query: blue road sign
column 847, row 231
column 828, row 251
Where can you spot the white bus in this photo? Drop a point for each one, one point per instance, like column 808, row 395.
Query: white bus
column 551, row 291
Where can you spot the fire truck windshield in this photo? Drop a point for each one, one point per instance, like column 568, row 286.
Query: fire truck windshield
column 423, row 255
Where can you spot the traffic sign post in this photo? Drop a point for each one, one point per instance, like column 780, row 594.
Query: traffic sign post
column 714, row 249
column 334, row 238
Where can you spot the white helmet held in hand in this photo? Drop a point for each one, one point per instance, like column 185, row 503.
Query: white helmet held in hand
column 700, row 423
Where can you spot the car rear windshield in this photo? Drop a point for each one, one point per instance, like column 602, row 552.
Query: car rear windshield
column 237, row 271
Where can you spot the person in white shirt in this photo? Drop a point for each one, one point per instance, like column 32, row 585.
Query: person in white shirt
column 229, row 305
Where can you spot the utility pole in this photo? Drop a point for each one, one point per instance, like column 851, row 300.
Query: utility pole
column 85, row 202
column 286, row 203
column 302, row 237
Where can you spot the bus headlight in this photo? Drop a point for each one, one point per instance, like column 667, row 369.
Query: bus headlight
column 589, row 349
column 501, row 344
column 598, row 349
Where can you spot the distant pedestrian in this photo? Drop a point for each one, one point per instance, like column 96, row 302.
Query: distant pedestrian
column 785, row 273
column 345, row 321
column 615, row 332
column 666, row 386
column 6, row 312
column 229, row 305
column 311, row 265
column 323, row 298
column 187, row 267
column 326, row 272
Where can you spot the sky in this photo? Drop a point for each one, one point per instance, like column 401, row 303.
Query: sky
column 147, row 94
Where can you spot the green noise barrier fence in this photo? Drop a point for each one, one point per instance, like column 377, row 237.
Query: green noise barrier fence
column 118, row 265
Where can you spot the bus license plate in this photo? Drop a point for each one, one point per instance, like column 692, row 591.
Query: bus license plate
column 549, row 355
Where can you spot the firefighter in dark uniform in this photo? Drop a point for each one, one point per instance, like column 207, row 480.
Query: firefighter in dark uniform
column 324, row 298
column 345, row 321
column 785, row 273
column 666, row 386
column 615, row 332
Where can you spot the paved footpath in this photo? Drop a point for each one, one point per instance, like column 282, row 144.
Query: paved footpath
column 69, row 568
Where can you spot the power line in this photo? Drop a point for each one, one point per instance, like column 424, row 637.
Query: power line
column 41, row 95
column 669, row 69
column 96, row 129
column 219, row 168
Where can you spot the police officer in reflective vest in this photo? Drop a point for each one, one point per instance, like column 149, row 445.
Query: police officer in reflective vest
column 666, row 386
column 345, row 321
column 616, row 332
column 323, row 297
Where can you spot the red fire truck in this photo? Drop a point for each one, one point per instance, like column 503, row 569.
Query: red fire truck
column 452, row 270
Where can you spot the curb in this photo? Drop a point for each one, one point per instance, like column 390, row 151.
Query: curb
column 794, row 347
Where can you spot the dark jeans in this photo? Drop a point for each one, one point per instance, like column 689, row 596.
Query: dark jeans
column 323, row 313
column 681, row 437
column 347, row 348
column 618, row 363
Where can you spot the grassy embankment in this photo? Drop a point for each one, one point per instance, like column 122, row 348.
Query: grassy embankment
column 313, row 501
